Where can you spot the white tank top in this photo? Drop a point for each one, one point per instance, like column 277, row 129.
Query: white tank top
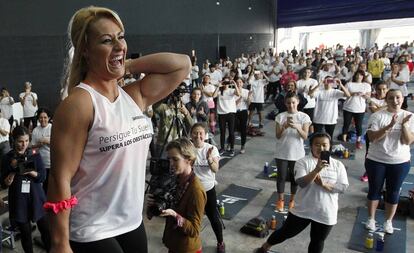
column 110, row 181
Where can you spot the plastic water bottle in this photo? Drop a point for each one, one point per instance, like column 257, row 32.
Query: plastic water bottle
column 221, row 209
column 379, row 247
column 273, row 223
column 266, row 168
column 369, row 241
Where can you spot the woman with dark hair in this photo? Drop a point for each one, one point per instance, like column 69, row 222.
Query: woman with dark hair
column 292, row 129
column 291, row 86
column 391, row 132
column 326, row 110
column 22, row 171
column 304, row 85
column 355, row 105
column 242, row 105
column 6, row 106
column 320, row 182
column 226, row 94
column 41, row 140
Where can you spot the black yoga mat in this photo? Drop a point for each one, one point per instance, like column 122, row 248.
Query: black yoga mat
column 269, row 210
column 235, row 197
column 407, row 185
column 393, row 243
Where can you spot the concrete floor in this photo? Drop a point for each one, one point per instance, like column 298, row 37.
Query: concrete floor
column 242, row 170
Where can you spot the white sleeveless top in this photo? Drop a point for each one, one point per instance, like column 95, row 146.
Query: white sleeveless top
column 110, row 181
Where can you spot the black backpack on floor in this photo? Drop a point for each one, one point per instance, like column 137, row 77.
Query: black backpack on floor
column 256, row 227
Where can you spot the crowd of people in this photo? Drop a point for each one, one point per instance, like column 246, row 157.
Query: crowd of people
column 91, row 190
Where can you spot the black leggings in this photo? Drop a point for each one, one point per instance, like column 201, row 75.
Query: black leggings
column 26, row 234
column 285, row 169
column 229, row 120
column 213, row 215
column 294, row 225
column 271, row 90
column 329, row 129
column 131, row 242
column 358, row 117
column 26, row 122
column 241, row 125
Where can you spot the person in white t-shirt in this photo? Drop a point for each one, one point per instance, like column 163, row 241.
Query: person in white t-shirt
column 292, row 129
column 41, row 140
column 326, row 109
column 242, row 105
column 4, row 135
column 205, row 167
column 303, row 86
column 208, row 91
column 6, row 105
column 398, row 80
column 391, row 132
column 28, row 99
column 320, row 182
column 100, row 138
column 194, row 72
column 257, row 86
column 215, row 74
column 227, row 93
column 355, row 106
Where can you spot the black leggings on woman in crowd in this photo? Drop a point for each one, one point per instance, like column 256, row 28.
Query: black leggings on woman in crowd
column 285, row 170
column 226, row 119
column 26, row 234
column 131, row 242
column 294, row 225
column 329, row 129
column 213, row 215
column 358, row 117
column 241, row 125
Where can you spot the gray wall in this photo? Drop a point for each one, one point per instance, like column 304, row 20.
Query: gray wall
column 33, row 34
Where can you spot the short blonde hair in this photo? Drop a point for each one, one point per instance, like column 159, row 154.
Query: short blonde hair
column 185, row 147
column 78, row 30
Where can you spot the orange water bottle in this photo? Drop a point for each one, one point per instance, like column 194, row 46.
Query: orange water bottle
column 273, row 223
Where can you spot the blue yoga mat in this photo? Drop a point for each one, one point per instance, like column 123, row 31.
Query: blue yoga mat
column 236, row 197
column 393, row 243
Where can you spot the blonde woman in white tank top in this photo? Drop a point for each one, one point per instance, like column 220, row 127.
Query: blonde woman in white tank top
column 100, row 137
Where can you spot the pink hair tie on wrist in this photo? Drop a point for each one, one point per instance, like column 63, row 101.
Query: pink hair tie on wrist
column 57, row 207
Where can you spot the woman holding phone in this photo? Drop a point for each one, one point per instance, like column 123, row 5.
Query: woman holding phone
column 320, row 182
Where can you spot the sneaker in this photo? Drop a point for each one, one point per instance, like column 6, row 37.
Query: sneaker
column 222, row 151
column 228, row 148
column 291, row 204
column 358, row 145
column 370, row 225
column 280, row 204
column 242, row 150
column 221, row 247
column 388, row 227
column 364, row 178
column 232, row 154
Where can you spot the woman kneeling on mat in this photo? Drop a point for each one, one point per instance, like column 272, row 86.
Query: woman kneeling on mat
column 391, row 132
column 320, row 179
column 183, row 224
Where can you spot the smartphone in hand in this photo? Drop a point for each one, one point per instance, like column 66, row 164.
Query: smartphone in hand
column 325, row 155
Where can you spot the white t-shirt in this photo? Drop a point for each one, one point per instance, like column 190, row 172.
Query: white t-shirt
column 226, row 103
column 356, row 104
column 403, row 76
column 313, row 202
column 28, row 109
column 303, row 87
column 243, row 105
column 202, row 168
column 326, row 109
column 290, row 145
column 4, row 125
column 110, row 180
column 257, row 88
column 42, row 133
column 194, row 72
column 275, row 72
column 216, row 77
column 389, row 149
column 210, row 89
column 6, row 106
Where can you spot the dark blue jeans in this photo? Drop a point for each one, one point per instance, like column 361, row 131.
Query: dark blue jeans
column 392, row 174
